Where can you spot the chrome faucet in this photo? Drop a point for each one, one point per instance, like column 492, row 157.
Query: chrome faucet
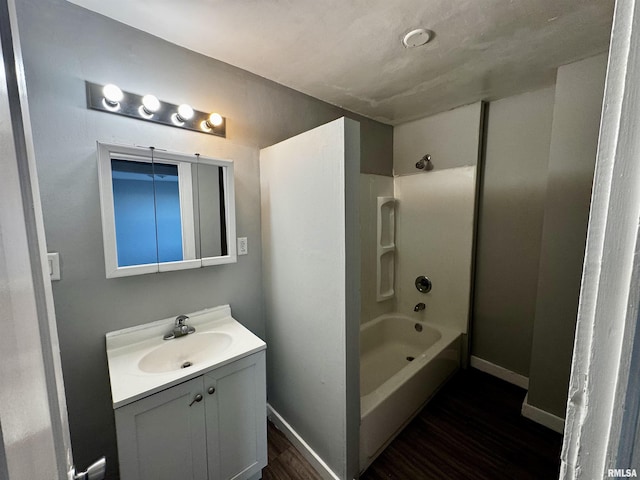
column 419, row 307
column 180, row 329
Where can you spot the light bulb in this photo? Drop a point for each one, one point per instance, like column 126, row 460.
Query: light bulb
column 112, row 94
column 151, row 103
column 185, row 112
column 215, row 120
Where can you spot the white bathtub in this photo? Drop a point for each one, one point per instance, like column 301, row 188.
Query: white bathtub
column 400, row 369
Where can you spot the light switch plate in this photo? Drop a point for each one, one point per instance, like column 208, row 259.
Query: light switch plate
column 243, row 247
column 54, row 265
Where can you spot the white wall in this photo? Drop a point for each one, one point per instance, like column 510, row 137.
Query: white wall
column 435, row 213
column 311, row 274
column 372, row 187
column 510, row 216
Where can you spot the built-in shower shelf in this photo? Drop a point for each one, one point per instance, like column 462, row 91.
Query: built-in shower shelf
column 386, row 248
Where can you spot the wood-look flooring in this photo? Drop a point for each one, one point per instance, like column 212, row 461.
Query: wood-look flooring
column 285, row 462
column 472, row 429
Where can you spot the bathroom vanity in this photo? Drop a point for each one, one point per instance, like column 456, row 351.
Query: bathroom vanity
column 189, row 407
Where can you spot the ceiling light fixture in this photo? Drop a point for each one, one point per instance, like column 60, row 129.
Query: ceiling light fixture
column 417, row 38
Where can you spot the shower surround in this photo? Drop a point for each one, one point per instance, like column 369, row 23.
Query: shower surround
column 408, row 353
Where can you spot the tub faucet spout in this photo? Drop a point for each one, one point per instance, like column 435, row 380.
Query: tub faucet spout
column 419, row 307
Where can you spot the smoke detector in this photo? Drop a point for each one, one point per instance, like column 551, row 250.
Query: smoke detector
column 417, row 38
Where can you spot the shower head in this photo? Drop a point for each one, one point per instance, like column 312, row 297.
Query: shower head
column 425, row 163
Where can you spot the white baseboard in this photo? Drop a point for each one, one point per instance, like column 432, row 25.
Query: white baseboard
column 547, row 419
column 303, row 447
column 500, row 372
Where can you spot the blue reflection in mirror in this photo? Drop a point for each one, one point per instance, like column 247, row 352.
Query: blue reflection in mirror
column 146, row 200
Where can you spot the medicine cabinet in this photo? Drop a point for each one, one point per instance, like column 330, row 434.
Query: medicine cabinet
column 164, row 211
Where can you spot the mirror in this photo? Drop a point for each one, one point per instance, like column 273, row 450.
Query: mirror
column 212, row 240
column 164, row 211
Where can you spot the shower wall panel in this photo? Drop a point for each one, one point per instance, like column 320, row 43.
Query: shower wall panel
column 371, row 187
column 435, row 224
column 435, row 213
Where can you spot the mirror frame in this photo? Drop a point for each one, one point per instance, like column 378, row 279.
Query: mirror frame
column 107, row 152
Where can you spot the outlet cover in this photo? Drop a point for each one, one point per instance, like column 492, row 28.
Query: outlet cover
column 243, row 247
column 54, row 265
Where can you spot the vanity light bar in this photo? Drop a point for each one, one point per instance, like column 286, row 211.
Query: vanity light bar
column 109, row 98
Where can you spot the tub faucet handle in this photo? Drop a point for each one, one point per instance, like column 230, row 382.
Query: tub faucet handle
column 419, row 307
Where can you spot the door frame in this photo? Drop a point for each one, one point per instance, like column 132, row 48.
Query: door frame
column 604, row 394
column 31, row 307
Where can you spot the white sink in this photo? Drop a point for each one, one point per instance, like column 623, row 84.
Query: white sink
column 184, row 352
column 142, row 363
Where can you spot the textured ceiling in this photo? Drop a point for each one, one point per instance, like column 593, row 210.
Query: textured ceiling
column 349, row 52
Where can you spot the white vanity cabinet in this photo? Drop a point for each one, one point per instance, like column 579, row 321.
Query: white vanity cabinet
column 212, row 427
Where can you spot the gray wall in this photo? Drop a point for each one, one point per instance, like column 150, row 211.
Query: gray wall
column 512, row 200
column 576, row 120
column 64, row 45
column 451, row 138
column 540, row 150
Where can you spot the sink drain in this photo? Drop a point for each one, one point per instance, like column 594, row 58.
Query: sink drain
column 410, row 358
column 186, row 365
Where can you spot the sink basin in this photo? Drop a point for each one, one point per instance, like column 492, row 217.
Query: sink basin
column 184, row 352
column 141, row 363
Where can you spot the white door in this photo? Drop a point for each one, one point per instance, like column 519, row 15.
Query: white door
column 34, row 431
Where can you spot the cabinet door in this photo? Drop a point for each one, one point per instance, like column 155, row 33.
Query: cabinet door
column 236, row 419
column 161, row 437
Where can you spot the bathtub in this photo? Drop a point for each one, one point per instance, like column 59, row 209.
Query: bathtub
column 400, row 370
